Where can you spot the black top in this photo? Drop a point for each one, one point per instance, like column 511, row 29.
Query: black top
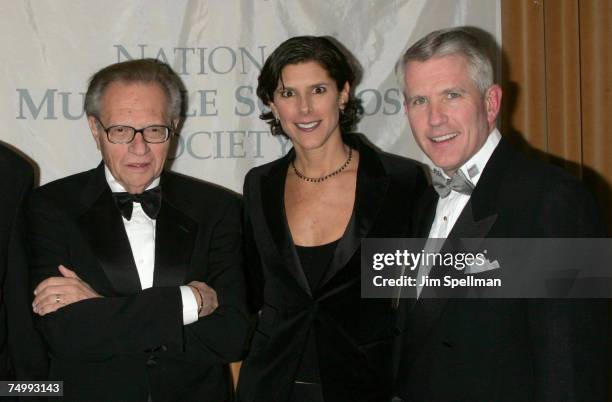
column 315, row 260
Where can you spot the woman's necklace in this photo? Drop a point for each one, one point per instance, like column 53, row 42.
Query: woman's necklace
column 327, row 176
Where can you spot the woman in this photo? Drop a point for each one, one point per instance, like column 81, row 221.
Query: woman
column 306, row 213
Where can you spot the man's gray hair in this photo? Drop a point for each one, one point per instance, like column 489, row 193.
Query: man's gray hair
column 461, row 41
column 133, row 71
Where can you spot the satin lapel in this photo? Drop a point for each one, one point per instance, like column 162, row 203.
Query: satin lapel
column 424, row 212
column 475, row 221
column 427, row 311
column 102, row 226
column 465, row 227
column 272, row 200
column 372, row 185
column 468, row 226
column 175, row 235
column 480, row 213
column 484, row 201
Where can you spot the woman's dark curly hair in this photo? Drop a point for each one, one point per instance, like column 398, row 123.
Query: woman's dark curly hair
column 328, row 54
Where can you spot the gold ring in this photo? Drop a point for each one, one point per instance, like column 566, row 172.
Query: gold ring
column 57, row 298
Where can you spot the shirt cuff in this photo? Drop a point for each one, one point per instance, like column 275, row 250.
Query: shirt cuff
column 190, row 305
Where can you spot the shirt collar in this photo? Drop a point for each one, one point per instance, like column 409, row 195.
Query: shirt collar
column 116, row 187
column 473, row 168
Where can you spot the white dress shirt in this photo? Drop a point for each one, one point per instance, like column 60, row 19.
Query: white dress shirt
column 140, row 231
column 448, row 209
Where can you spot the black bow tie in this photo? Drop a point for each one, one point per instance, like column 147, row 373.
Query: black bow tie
column 150, row 201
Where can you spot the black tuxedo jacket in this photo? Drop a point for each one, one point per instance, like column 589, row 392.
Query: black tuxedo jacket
column 132, row 344
column 22, row 353
column 353, row 336
column 509, row 350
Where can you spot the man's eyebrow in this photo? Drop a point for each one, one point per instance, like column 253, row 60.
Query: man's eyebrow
column 413, row 97
column 453, row 89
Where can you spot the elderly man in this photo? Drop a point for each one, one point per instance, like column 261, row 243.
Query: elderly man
column 486, row 350
column 137, row 271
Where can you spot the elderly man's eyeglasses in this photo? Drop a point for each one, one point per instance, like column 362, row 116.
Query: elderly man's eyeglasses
column 125, row 134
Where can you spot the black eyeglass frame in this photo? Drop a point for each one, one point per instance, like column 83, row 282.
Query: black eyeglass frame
column 169, row 132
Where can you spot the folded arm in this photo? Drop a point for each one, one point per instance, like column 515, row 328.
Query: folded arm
column 90, row 320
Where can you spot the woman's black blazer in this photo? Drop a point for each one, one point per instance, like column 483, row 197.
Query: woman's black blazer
column 353, row 336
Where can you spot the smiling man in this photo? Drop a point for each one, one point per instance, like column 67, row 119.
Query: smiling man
column 491, row 350
column 137, row 271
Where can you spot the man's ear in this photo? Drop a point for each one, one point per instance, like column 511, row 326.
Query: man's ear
column 492, row 98
column 95, row 129
column 175, row 125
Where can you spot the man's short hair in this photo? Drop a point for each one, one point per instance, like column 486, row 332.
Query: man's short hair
column 461, row 41
column 134, row 71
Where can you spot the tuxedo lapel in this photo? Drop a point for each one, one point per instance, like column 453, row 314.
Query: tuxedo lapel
column 432, row 302
column 102, row 226
column 423, row 312
column 480, row 213
column 371, row 190
column 468, row 226
column 485, row 200
column 175, row 235
column 475, row 221
column 272, row 199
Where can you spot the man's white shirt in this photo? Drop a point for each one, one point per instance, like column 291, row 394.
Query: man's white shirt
column 140, row 231
column 449, row 209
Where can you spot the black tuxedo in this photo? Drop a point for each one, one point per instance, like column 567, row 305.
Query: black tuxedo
column 22, row 354
column 509, row 350
column 353, row 336
column 132, row 343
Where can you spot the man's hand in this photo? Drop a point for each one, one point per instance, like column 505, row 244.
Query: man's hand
column 205, row 296
column 59, row 291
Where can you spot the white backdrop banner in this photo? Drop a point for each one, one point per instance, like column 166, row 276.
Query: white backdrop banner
column 50, row 48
